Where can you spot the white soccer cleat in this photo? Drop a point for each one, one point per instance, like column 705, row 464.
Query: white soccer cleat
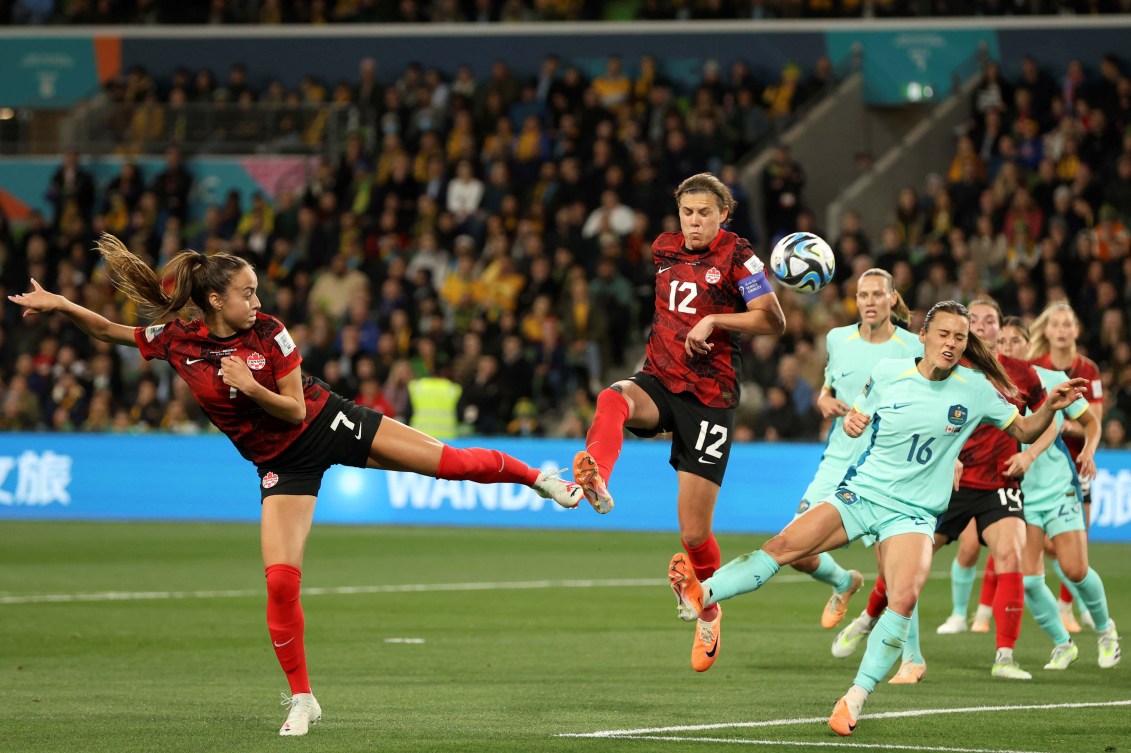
column 954, row 624
column 1006, row 667
column 550, row 485
column 305, row 712
column 848, row 639
column 1109, row 646
column 1063, row 656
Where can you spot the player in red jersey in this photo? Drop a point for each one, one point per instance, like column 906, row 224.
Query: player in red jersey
column 710, row 287
column 243, row 368
column 1054, row 334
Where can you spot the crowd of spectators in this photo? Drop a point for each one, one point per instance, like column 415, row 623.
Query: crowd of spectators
column 509, row 11
column 497, row 234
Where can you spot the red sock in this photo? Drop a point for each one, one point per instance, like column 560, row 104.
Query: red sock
column 705, row 560
column 285, row 623
column 989, row 583
column 1065, row 594
column 606, row 435
column 484, row 466
column 1009, row 604
column 878, row 599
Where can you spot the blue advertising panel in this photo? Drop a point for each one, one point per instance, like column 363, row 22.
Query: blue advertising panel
column 162, row 476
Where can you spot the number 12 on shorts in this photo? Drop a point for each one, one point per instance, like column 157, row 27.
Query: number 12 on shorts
column 708, row 429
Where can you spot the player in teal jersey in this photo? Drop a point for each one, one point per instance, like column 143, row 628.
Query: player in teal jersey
column 1053, row 507
column 920, row 412
column 852, row 352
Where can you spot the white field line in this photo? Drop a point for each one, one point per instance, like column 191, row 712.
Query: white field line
column 654, row 732
column 819, row 744
column 528, row 585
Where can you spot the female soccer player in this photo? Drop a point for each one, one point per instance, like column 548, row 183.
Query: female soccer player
column 1053, row 346
column 852, row 352
column 709, row 288
column 920, row 411
column 242, row 368
column 1052, row 507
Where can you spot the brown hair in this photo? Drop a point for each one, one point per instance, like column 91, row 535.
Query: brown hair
column 987, row 301
column 193, row 275
column 1039, row 341
column 900, row 313
column 978, row 353
column 1018, row 324
column 708, row 183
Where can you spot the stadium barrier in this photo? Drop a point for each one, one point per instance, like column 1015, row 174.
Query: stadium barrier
column 172, row 477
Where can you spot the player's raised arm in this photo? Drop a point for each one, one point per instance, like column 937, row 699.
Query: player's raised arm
column 38, row 300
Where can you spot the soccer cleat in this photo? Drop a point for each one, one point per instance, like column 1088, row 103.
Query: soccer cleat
column 837, row 605
column 1109, row 646
column 550, row 485
column 708, row 640
column 956, row 623
column 1068, row 617
column 688, row 592
column 842, row 722
column 846, row 641
column 909, row 673
column 1006, row 668
column 305, row 711
column 589, row 479
column 983, row 616
column 1063, row 656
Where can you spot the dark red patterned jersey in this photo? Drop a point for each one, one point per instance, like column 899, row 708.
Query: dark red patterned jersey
column 267, row 348
column 989, row 448
column 1084, row 368
column 722, row 279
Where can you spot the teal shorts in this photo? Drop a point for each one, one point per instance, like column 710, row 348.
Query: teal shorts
column 1056, row 515
column 864, row 518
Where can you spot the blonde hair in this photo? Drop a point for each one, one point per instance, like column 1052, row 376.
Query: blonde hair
column 708, row 183
column 193, row 275
column 978, row 352
column 1039, row 341
column 900, row 313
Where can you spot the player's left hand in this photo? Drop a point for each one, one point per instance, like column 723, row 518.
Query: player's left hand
column 1086, row 464
column 235, row 373
column 1065, row 393
column 696, row 343
column 1017, row 465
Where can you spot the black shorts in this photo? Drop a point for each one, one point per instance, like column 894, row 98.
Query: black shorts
column 701, row 435
column 986, row 506
column 340, row 435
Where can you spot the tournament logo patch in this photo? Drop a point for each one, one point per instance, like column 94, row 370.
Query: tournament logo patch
column 256, row 361
column 957, row 414
column 846, row 497
column 153, row 331
column 286, row 344
column 270, row 479
column 753, row 265
column 713, row 275
column 867, row 387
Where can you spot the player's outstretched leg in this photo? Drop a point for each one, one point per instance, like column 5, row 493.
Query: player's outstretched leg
column 593, row 466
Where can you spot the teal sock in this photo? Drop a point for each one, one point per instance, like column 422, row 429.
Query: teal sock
column 1064, row 579
column 961, row 584
column 885, row 644
column 828, row 571
column 911, row 650
column 1092, row 594
column 739, row 576
column 1042, row 604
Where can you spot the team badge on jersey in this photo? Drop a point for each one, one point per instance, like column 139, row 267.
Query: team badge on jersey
column 713, row 275
column 803, row 506
column 256, row 361
column 153, row 331
column 957, row 414
column 270, row 479
column 846, row 497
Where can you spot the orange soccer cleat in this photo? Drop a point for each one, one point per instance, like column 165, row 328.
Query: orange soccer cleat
column 842, row 722
column 688, row 592
column 707, row 641
column 587, row 476
column 837, row 605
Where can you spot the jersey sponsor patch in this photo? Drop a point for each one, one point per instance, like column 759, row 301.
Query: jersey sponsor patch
column 957, row 414
column 256, row 361
column 270, row 479
column 286, row 344
column 753, row 265
column 713, row 275
column 152, row 331
column 754, row 286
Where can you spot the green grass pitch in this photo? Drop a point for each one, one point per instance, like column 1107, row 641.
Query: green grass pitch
column 511, row 665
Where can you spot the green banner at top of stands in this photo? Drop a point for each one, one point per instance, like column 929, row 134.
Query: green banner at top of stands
column 904, row 66
column 55, row 72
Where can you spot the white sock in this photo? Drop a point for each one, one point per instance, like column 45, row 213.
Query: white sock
column 855, row 698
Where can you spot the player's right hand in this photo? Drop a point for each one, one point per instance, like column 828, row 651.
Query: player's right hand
column 36, row 300
column 830, row 407
column 855, row 423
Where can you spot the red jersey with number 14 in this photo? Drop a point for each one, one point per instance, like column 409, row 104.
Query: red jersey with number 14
column 270, row 354
column 989, row 448
column 721, row 279
column 1084, row 368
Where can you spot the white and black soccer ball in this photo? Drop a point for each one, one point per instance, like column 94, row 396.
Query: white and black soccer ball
column 803, row 261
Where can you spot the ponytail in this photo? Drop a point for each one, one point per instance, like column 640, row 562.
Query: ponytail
column 193, row 277
column 978, row 352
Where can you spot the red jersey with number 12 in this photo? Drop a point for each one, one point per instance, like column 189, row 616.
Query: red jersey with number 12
column 721, row 279
column 989, row 448
column 270, row 354
column 1084, row 368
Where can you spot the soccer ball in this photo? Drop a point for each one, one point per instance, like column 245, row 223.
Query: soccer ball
column 803, row 261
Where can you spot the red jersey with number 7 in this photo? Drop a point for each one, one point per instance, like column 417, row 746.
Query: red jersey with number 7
column 989, row 448
column 270, row 354
column 721, row 279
